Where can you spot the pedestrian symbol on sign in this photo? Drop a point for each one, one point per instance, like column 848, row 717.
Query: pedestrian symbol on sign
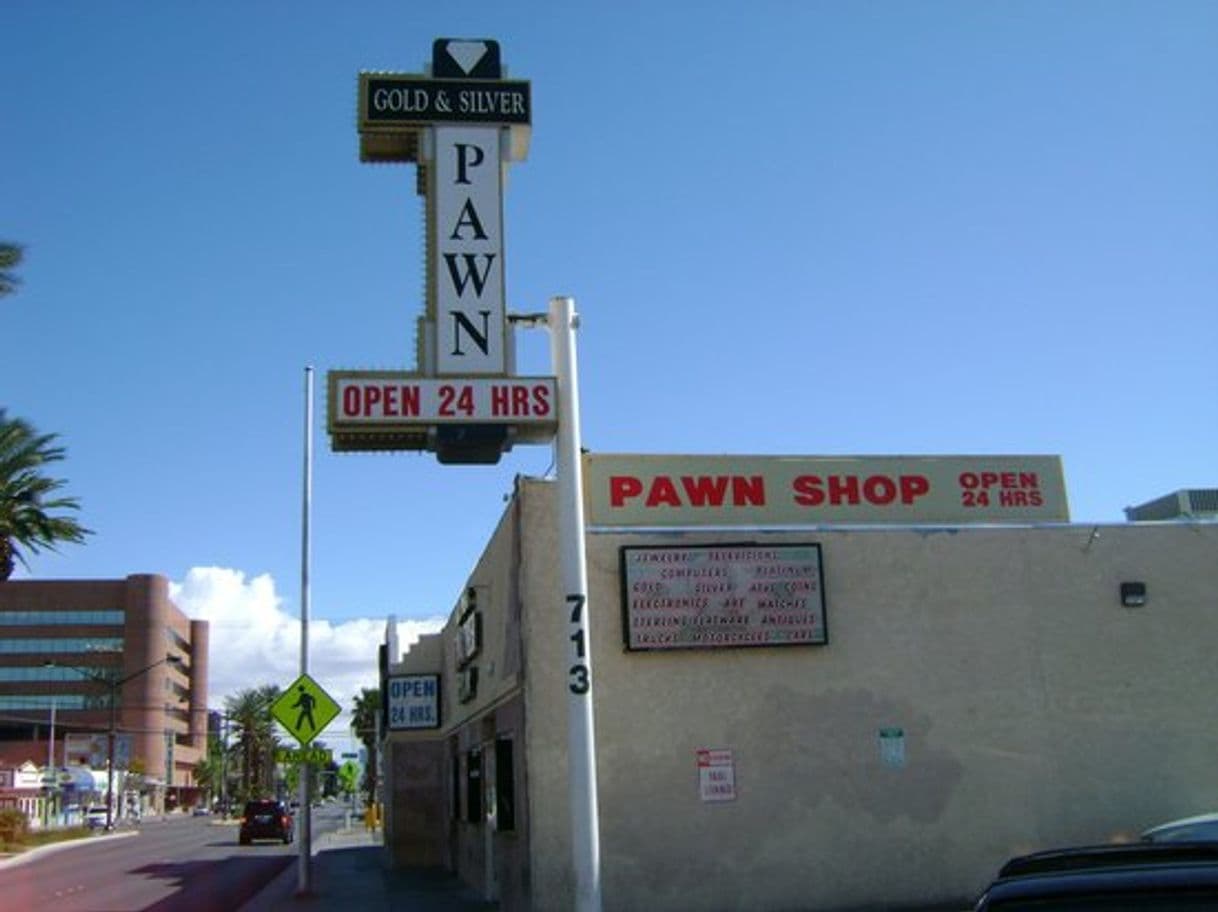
column 304, row 709
column 305, row 701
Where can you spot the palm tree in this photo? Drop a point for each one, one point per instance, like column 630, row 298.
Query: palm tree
column 365, row 724
column 209, row 769
column 28, row 497
column 10, row 257
column 250, row 711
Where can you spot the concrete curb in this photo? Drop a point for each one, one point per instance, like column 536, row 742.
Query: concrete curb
column 52, row 847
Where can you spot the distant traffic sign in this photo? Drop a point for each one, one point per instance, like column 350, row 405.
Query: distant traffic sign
column 304, row 709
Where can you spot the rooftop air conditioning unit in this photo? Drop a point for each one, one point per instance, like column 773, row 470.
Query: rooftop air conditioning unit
column 1197, row 503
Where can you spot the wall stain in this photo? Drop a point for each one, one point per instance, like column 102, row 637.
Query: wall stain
column 827, row 744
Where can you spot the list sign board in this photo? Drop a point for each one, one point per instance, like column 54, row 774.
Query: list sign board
column 707, row 596
column 638, row 490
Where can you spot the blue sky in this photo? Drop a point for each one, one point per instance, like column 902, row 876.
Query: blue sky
column 794, row 228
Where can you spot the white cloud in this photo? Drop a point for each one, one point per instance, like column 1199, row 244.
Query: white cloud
column 255, row 642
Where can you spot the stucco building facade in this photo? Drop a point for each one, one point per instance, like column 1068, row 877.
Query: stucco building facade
column 979, row 690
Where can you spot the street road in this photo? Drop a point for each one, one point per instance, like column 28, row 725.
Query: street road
column 184, row 864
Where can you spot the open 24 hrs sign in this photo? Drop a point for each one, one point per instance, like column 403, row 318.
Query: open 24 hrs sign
column 413, row 701
column 370, row 401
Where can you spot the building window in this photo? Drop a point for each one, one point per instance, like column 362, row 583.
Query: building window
column 505, row 786
column 473, row 787
column 175, row 641
column 54, row 673
column 44, row 701
column 60, row 618
column 38, row 645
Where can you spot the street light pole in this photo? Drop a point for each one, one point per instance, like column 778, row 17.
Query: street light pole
column 224, row 766
column 113, row 682
column 114, row 685
column 51, row 778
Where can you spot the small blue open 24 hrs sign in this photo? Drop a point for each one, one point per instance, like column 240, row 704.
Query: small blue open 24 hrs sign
column 414, row 701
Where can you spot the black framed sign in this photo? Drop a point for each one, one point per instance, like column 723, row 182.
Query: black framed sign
column 710, row 596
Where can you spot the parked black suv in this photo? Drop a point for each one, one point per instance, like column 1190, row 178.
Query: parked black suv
column 266, row 820
column 1142, row 876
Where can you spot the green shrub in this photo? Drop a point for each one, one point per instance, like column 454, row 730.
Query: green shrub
column 13, row 826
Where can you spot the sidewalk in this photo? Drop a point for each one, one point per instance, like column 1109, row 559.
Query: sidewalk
column 348, row 873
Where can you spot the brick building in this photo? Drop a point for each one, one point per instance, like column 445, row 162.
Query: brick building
column 68, row 648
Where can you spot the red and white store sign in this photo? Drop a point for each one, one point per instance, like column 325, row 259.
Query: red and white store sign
column 645, row 490
column 716, row 775
column 387, row 400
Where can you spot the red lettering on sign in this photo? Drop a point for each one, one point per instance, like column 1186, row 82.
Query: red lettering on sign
column 1007, row 481
column 663, row 491
column 748, row 491
column 705, row 492
column 699, row 490
column 623, row 488
column 541, row 399
column 386, row 400
column 913, row 487
column 520, row 401
column 1015, row 489
column 843, row 488
column 1020, row 499
column 878, row 490
column 456, row 402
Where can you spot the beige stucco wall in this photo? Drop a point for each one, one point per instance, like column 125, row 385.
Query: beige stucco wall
column 1036, row 711
column 420, row 826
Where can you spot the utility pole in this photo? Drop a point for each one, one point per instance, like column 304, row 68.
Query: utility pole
column 573, row 563
column 306, row 804
column 51, row 779
column 224, row 766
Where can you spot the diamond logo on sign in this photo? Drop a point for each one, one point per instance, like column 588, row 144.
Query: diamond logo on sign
column 467, row 53
column 462, row 58
column 304, row 709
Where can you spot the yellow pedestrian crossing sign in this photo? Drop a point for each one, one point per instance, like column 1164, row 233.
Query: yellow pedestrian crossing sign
column 304, row 709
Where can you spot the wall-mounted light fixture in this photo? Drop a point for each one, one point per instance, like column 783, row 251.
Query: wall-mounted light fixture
column 1133, row 595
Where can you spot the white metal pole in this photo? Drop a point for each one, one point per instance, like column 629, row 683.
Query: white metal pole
column 581, row 729
column 306, row 816
column 52, row 773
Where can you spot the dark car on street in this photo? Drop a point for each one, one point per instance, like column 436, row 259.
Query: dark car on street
column 1143, row 876
column 266, row 819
